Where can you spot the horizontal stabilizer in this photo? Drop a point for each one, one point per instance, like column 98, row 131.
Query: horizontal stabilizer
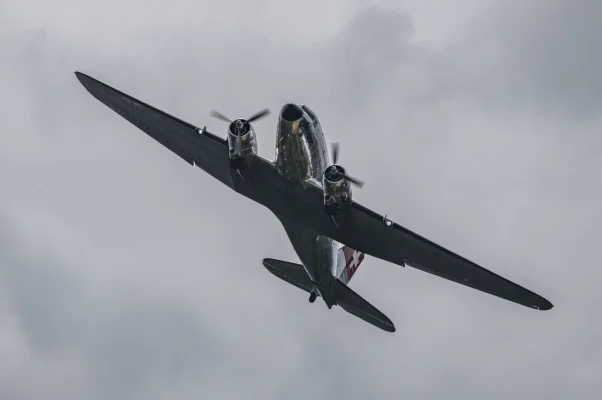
column 346, row 298
column 289, row 272
column 354, row 304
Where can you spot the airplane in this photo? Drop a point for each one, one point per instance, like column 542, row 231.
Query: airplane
column 329, row 231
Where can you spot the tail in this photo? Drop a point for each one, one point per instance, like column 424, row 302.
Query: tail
column 346, row 298
column 348, row 261
column 354, row 304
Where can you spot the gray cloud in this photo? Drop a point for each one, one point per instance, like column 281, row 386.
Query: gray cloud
column 118, row 279
column 548, row 56
column 125, row 341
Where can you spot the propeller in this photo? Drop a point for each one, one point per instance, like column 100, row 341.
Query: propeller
column 335, row 152
column 335, row 159
column 220, row 116
column 258, row 115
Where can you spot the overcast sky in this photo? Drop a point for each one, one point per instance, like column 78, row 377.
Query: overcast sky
column 127, row 274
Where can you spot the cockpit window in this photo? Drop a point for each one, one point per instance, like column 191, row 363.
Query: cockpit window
column 309, row 112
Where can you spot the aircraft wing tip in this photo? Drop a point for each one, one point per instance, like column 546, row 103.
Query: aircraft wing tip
column 83, row 79
column 542, row 304
column 546, row 305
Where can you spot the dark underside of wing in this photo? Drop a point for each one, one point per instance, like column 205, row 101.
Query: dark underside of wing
column 194, row 146
column 423, row 254
column 366, row 231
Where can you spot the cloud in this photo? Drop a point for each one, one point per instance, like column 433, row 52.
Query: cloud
column 548, row 56
column 122, row 341
column 126, row 273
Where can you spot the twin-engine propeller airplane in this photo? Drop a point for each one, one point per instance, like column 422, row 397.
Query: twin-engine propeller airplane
column 313, row 199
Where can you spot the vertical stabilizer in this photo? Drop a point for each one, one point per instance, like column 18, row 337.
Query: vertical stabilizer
column 348, row 261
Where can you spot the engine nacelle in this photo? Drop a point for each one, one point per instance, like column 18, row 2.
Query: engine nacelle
column 337, row 190
column 242, row 143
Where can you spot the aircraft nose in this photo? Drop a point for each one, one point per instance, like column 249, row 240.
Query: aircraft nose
column 291, row 112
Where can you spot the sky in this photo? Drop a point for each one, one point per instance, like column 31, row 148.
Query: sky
column 125, row 273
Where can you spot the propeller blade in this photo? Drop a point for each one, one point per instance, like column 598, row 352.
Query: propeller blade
column 335, row 152
column 355, row 181
column 220, row 116
column 258, row 115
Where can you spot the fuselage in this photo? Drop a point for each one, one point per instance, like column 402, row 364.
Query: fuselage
column 302, row 156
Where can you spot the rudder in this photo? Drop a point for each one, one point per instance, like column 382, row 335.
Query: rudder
column 348, row 261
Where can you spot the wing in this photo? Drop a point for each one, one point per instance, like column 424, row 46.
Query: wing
column 193, row 145
column 389, row 240
column 368, row 232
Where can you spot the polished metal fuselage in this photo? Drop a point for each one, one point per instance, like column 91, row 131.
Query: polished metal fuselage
column 301, row 152
column 302, row 156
